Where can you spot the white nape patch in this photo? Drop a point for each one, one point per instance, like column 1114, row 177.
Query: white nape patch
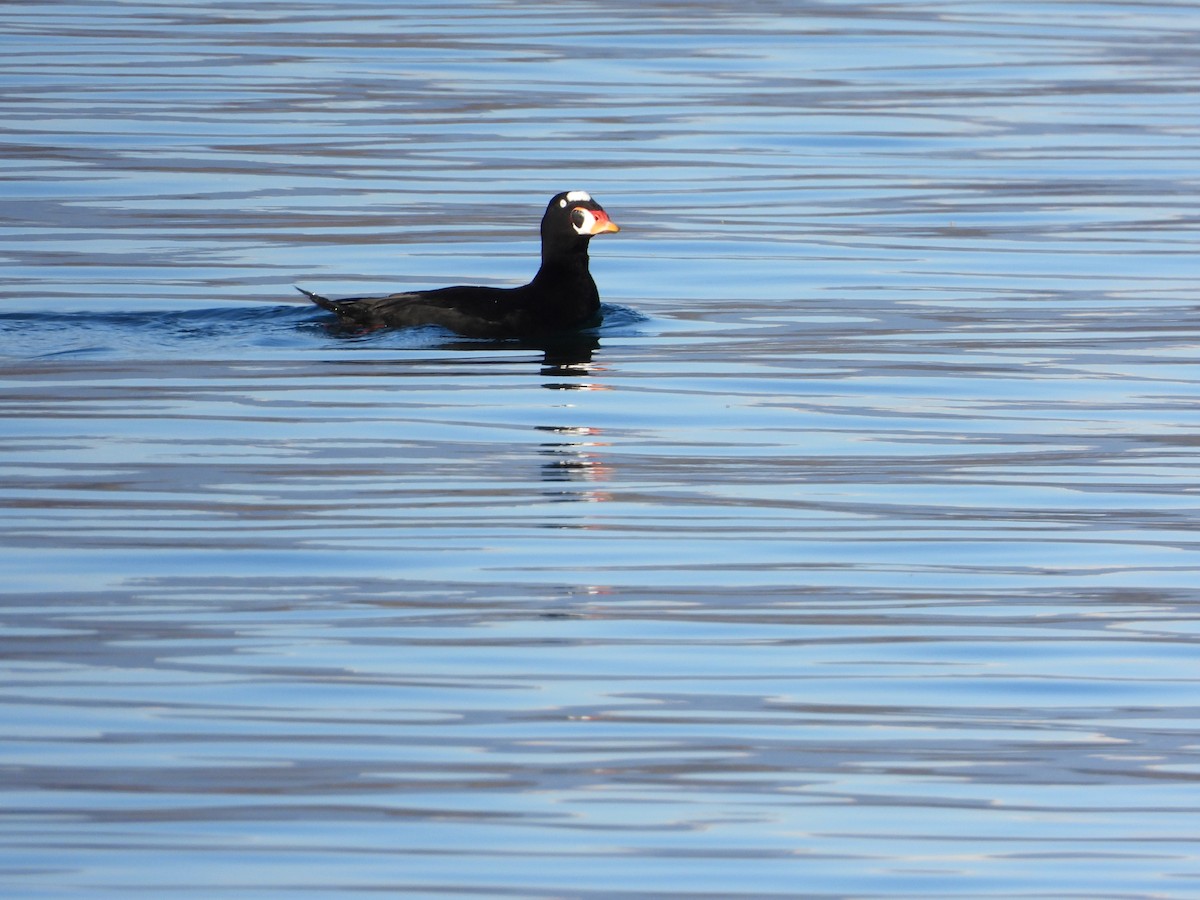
column 586, row 220
column 575, row 197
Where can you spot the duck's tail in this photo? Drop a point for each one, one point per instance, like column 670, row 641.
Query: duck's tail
column 323, row 302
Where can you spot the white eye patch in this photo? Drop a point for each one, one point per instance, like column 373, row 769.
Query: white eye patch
column 575, row 197
column 582, row 221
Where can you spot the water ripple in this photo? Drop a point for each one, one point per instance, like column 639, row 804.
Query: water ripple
column 859, row 541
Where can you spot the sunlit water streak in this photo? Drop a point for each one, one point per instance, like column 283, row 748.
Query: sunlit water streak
column 853, row 556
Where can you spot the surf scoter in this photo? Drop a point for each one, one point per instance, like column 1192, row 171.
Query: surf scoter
column 561, row 297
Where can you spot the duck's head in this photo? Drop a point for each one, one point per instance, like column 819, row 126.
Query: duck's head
column 574, row 214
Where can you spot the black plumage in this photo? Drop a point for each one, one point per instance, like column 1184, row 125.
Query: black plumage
column 562, row 296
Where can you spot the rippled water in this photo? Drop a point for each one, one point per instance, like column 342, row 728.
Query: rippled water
column 855, row 555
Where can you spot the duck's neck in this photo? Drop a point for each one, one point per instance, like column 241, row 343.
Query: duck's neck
column 564, row 291
column 564, row 269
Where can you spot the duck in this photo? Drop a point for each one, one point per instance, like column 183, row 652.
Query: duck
column 561, row 297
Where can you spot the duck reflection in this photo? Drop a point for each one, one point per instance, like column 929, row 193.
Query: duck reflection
column 569, row 355
column 576, row 453
column 576, row 458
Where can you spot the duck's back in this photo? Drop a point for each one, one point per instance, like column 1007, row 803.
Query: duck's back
column 471, row 310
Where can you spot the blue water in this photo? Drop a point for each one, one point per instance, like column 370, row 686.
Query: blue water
column 853, row 556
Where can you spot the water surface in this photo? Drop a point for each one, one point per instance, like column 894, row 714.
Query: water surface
column 854, row 555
